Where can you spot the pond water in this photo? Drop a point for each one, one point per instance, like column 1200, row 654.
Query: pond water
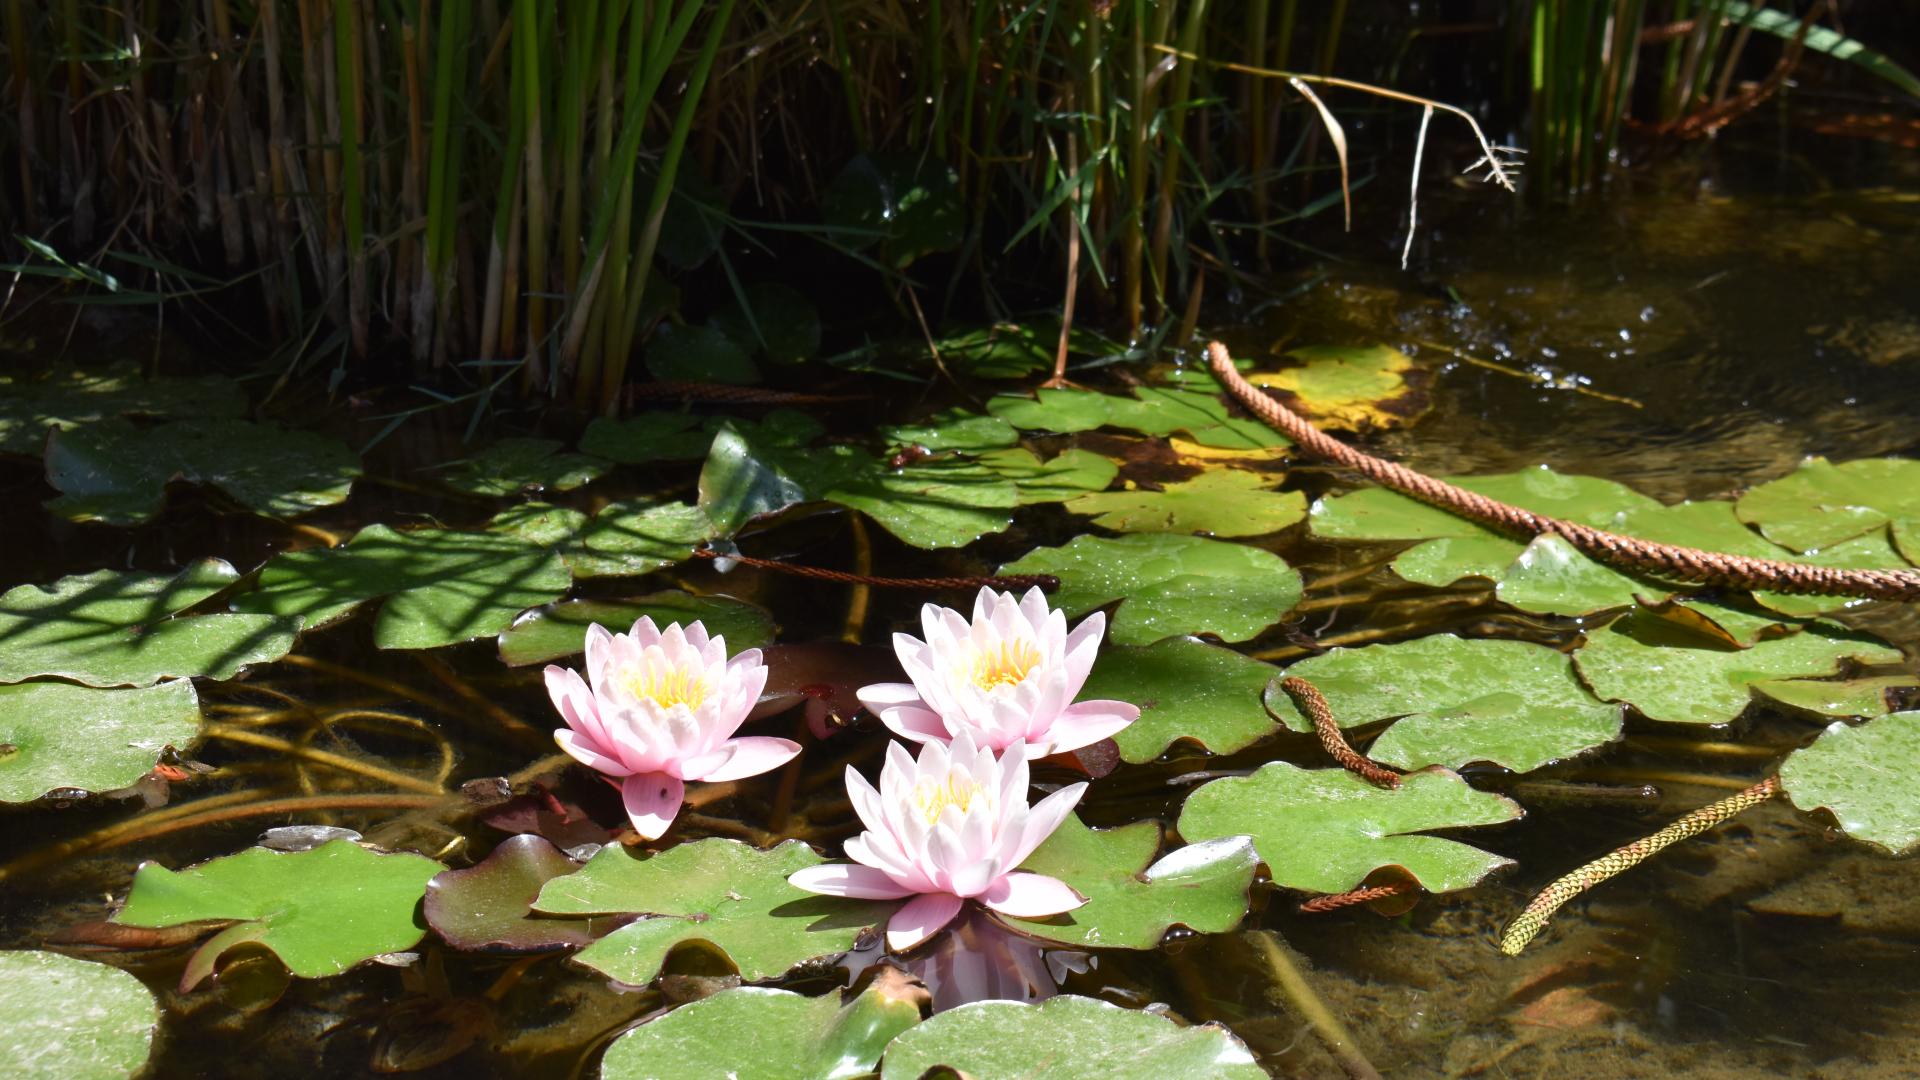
column 1689, row 339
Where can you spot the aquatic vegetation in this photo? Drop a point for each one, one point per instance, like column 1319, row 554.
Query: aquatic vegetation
column 948, row 827
column 659, row 708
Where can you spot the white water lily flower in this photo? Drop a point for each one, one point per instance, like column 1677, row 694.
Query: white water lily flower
column 944, row 829
column 659, row 708
column 1009, row 676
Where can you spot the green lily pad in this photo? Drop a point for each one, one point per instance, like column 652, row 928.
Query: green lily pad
column 1325, row 830
column 738, row 483
column 1864, row 775
column 514, row 466
column 1551, row 576
column 29, row 408
column 956, row 430
column 719, row 892
column 1187, row 689
column 116, row 474
column 320, row 911
column 1870, row 551
column 1381, row 514
column 1064, row 476
column 1351, row 387
column 1131, row 905
column 1846, row 697
column 1460, row 700
column 67, row 1019
column 55, row 735
column 1219, row 502
column 110, row 628
column 1067, row 1038
column 758, row 1033
column 558, row 630
column 1445, row 560
column 488, row 907
column 1670, row 673
column 441, row 586
column 699, row 354
column 775, row 320
column 1151, row 411
column 1001, row 351
column 910, row 203
column 647, row 438
column 1168, row 584
column 539, row 523
column 629, row 538
column 1820, row 503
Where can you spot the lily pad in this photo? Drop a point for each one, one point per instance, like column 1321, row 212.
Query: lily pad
column 1460, row 701
column 775, row 320
column 320, row 911
column 630, row 538
column 441, row 586
column 488, row 907
column 516, row 466
column 1001, row 351
column 1820, row 503
column 1325, row 830
column 956, row 430
column 1846, row 697
column 1219, row 502
column 116, row 474
column 1067, row 1038
column 558, row 630
column 1551, row 576
column 30, row 408
column 1350, row 387
column 647, row 438
column 1381, row 514
column 1187, row 689
column 1670, row 673
column 719, row 892
column 1168, row 584
column 1870, row 551
column 910, row 203
column 67, row 1019
column 110, row 628
column 539, row 523
column 1064, row 476
column 55, row 735
column 1131, row 905
column 758, row 1033
column 738, row 483
column 1864, row 775
column 1151, row 411
column 700, row 354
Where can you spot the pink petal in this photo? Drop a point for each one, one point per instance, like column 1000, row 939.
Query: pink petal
column 1087, row 722
column 877, row 696
column 575, row 703
column 581, row 749
column 1031, row 896
column 749, row 756
column 920, row 918
column 919, row 725
column 847, row 879
column 652, row 801
column 1046, row 816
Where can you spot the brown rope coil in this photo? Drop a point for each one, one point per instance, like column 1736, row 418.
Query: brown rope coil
column 1308, row 697
column 991, row 581
column 1625, row 552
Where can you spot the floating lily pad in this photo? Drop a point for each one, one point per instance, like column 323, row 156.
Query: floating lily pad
column 647, row 438
column 1512, row 703
column 67, row 1019
column 758, row 1033
column 55, row 735
column 909, row 203
column 515, row 466
column 1131, row 905
column 1820, row 503
column 540, row 523
column 29, row 408
column 720, row 892
column 1064, row 476
column 1864, row 775
column 558, row 630
column 968, row 433
column 1325, row 830
column 110, row 628
column 738, row 483
column 1220, row 502
column 775, row 320
column 1846, row 697
column 1001, row 351
column 699, row 354
column 441, row 586
column 1381, row 514
column 1551, row 576
column 1351, row 387
column 1067, row 1038
column 629, row 538
column 1670, row 673
column 320, row 911
column 1151, row 411
column 114, row 473
column 488, row 907
column 1187, row 689
column 1168, row 584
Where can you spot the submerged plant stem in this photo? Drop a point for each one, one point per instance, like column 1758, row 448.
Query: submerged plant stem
column 393, row 777
column 1299, row 993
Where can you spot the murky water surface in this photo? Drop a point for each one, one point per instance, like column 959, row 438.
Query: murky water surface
column 1687, row 339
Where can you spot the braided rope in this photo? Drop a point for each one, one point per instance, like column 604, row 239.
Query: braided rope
column 990, row 581
column 1534, row 918
column 1626, row 552
column 1307, row 696
column 1335, row 901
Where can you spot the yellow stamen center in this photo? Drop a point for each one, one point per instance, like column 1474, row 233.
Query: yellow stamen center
column 664, row 687
column 933, row 797
column 1005, row 665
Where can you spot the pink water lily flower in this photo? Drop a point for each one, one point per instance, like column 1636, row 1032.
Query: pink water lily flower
column 659, row 708
column 944, row 829
column 1009, row 676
